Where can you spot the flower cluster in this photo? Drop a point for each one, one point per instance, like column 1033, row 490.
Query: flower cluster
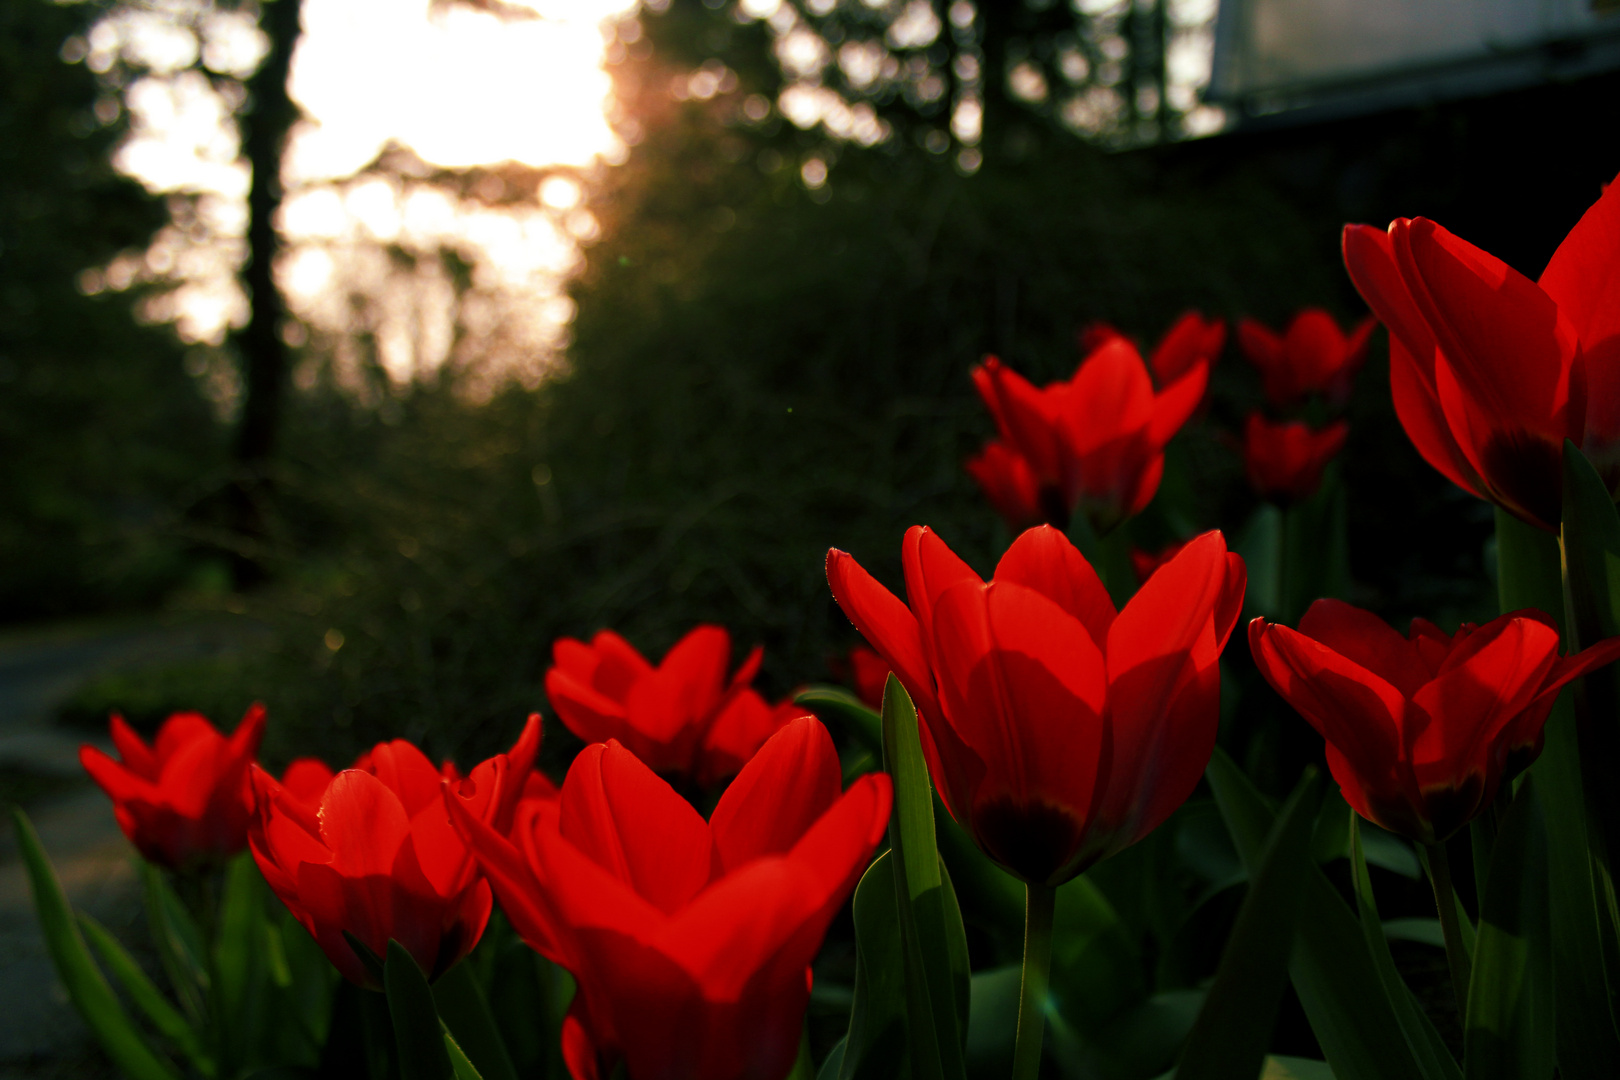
column 1065, row 708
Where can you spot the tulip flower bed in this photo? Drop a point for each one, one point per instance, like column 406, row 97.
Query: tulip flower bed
column 1014, row 753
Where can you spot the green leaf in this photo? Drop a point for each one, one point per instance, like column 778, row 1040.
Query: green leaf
column 1295, row 1068
column 861, row 722
column 1096, row 966
column 241, row 987
column 930, row 924
column 1259, row 541
column 1234, row 1026
column 877, row 1046
column 178, row 943
column 994, row 1021
column 833, row 1067
column 1425, row 1043
column 460, row 1066
column 878, row 1042
column 1422, row 931
column 1529, row 576
column 146, row 996
column 418, row 1034
column 1144, row 1041
column 1331, row 968
column 465, row 1011
column 1590, row 539
column 82, row 980
column 1508, row 1033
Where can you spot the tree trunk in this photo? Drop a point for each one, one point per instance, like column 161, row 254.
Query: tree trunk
column 270, row 115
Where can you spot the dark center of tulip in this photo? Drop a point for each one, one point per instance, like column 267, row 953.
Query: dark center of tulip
column 1032, row 839
column 1528, row 470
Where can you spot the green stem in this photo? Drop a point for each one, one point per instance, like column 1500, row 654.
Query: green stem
column 1040, row 902
column 1445, row 900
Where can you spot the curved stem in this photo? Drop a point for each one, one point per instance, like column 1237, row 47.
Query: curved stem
column 1445, row 899
column 1040, row 902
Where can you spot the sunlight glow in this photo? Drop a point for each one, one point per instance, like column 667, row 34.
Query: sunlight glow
column 428, row 85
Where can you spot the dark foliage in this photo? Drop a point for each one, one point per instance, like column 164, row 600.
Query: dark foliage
column 103, row 437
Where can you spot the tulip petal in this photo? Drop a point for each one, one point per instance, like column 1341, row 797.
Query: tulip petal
column 1023, row 688
column 1359, row 714
column 119, row 783
column 1173, row 405
column 580, row 1049
column 1110, row 396
column 1024, row 417
column 244, row 741
column 190, row 774
column 1363, row 638
column 520, row 767
column 182, row 730
column 616, row 665
column 931, row 567
column 1190, row 339
column 1009, row 484
column 363, row 823
column 1519, row 468
column 1369, row 256
column 1173, row 607
column 886, row 623
column 513, row 880
column 323, row 895
column 591, row 715
column 836, row 848
column 137, row 756
column 777, row 796
column 1456, row 721
column 1043, row 559
column 1229, row 605
column 1583, row 276
column 616, row 811
column 1512, row 350
column 1417, row 406
column 407, row 772
column 582, row 893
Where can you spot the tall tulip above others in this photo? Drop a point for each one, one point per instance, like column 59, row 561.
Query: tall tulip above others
column 1491, row 371
column 1092, row 444
column 1058, row 730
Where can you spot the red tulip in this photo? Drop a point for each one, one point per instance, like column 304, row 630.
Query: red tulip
column 1421, row 730
column 1285, row 461
column 183, row 801
column 870, row 673
column 690, row 941
column 665, row 714
column 738, row 732
column 1313, row 357
column 1057, row 731
column 1095, row 443
column 1006, row 480
column 1191, row 338
column 1491, row 371
column 1146, row 563
column 375, row 854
